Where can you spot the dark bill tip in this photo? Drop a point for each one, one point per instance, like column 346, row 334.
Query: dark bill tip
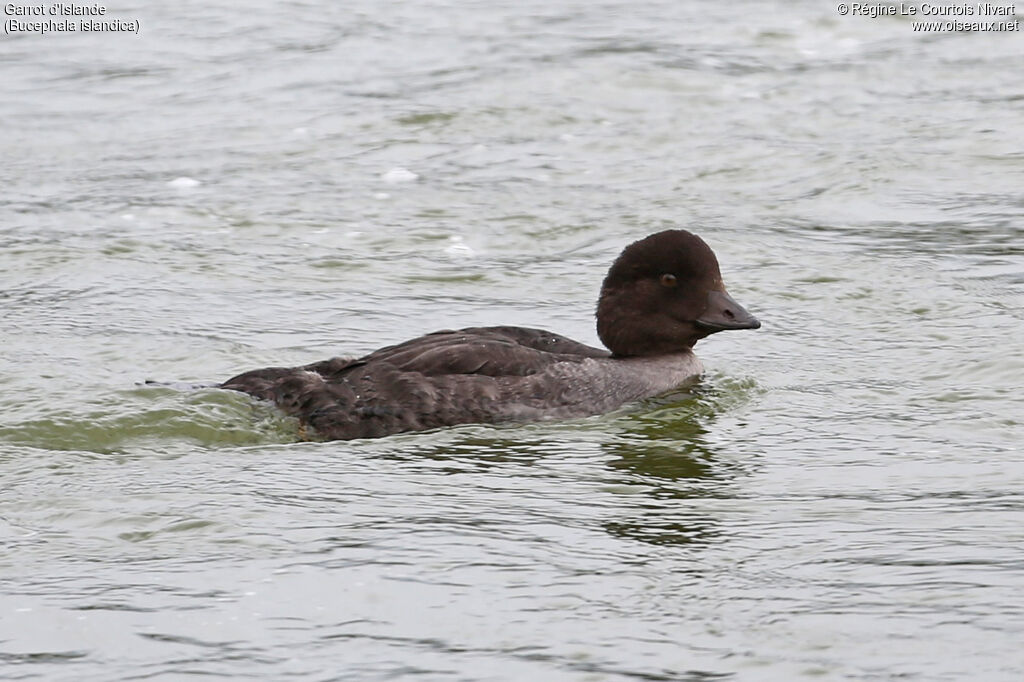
column 723, row 313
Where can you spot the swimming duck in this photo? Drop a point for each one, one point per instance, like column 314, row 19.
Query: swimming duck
column 661, row 295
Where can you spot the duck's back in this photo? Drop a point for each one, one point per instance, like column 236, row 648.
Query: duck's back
column 474, row 375
column 663, row 294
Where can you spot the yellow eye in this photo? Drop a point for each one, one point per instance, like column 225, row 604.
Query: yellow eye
column 668, row 280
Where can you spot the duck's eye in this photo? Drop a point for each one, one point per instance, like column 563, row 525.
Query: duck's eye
column 668, row 280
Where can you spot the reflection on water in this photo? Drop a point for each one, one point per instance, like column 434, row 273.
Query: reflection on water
column 664, row 448
column 481, row 451
column 845, row 478
column 666, row 443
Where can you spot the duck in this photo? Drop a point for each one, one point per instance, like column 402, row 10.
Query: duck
column 662, row 295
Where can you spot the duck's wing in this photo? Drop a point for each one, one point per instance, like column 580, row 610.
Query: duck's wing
column 444, row 378
column 541, row 339
column 488, row 351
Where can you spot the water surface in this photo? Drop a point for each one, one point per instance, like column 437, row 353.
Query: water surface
column 839, row 498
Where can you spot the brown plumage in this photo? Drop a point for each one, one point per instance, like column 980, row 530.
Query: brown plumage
column 661, row 295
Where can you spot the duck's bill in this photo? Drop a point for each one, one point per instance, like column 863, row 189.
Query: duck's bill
column 722, row 313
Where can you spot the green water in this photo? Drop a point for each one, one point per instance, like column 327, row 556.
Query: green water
column 839, row 498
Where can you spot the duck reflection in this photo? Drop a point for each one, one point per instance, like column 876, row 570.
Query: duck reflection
column 659, row 462
column 666, row 450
